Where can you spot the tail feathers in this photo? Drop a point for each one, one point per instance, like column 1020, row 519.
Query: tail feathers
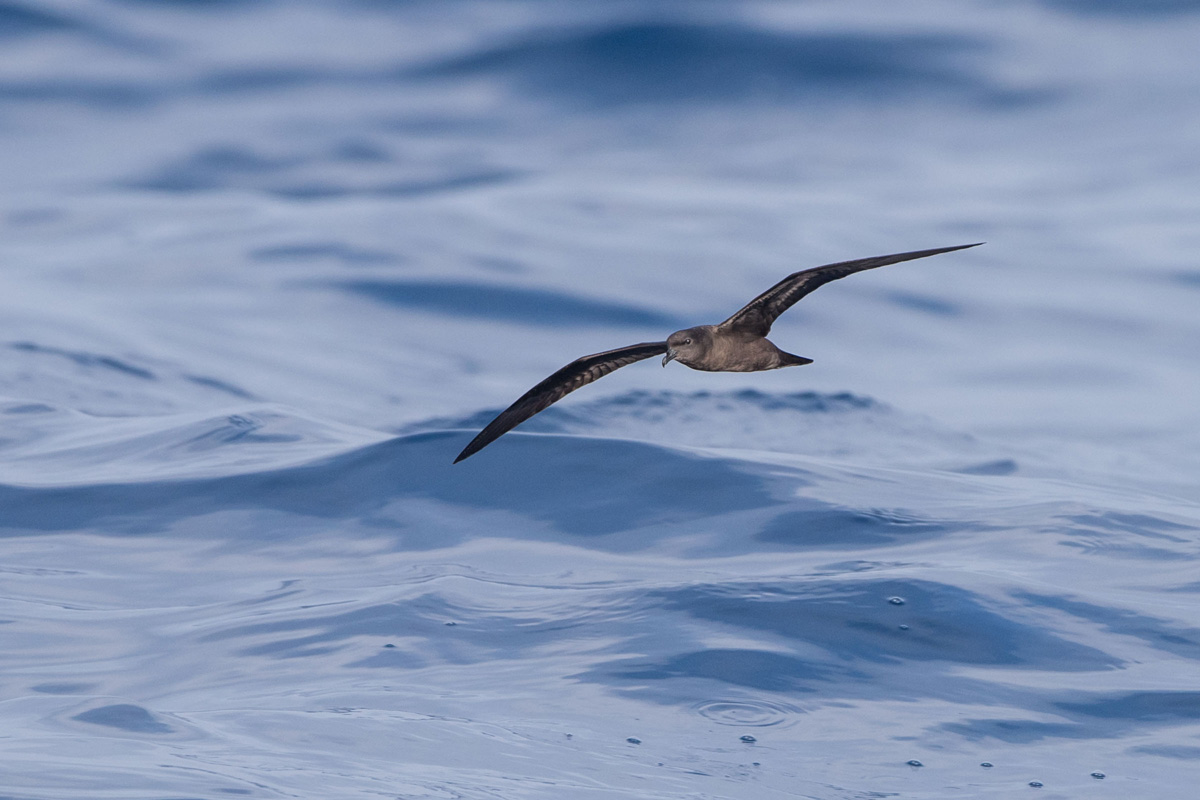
column 789, row 360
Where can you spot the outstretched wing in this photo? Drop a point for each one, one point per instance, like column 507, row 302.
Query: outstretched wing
column 579, row 372
column 761, row 312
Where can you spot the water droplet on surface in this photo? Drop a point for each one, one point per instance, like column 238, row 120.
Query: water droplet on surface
column 1098, row 776
column 634, row 740
column 914, row 763
column 748, row 739
column 987, row 765
column 896, row 601
column 1036, row 784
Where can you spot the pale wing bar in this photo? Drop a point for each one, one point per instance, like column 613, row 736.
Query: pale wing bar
column 579, row 372
column 761, row 312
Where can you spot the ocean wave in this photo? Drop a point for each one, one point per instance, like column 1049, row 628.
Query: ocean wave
column 534, row 479
column 250, row 249
column 832, row 424
column 643, row 62
column 506, row 303
column 303, row 176
column 52, row 447
column 1136, row 9
column 19, row 19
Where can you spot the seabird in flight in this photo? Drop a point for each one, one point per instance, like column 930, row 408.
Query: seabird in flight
column 738, row 344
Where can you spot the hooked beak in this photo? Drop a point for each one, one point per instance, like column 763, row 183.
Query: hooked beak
column 670, row 356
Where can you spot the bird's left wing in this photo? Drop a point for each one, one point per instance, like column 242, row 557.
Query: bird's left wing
column 759, row 314
column 579, row 372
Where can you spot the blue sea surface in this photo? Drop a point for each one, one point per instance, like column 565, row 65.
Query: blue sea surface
column 266, row 267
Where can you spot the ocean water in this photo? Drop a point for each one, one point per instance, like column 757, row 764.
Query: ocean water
column 266, row 267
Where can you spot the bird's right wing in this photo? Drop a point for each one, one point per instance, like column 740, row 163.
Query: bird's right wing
column 579, row 372
column 761, row 312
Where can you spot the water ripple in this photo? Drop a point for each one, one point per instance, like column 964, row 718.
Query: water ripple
column 748, row 713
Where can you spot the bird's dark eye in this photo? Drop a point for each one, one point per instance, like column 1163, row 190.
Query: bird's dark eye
column 687, row 341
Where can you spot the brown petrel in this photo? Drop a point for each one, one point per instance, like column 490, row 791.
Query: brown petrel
column 738, row 344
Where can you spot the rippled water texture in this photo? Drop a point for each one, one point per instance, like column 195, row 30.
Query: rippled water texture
column 266, row 267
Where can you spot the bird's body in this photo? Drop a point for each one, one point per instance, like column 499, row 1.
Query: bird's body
column 728, row 350
column 739, row 344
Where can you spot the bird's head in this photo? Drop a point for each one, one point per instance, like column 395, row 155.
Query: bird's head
column 688, row 346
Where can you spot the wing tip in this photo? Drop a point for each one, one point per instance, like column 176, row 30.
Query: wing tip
column 467, row 452
column 936, row 251
column 472, row 448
